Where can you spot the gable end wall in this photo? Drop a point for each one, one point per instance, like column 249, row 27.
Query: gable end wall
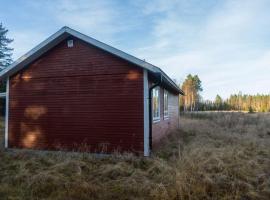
column 74, row 96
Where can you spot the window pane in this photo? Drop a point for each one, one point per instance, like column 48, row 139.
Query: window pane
column 166, row 104
column 155, row 103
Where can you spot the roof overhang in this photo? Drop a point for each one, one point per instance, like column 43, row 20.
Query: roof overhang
column 66, row 32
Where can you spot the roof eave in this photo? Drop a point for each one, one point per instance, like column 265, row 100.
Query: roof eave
column 62, row 34
column 34, row 53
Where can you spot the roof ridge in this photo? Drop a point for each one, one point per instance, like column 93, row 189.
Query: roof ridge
column 62, row 34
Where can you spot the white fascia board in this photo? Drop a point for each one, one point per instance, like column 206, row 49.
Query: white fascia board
column 34, row 53
column 62, row 34
column 113, row 50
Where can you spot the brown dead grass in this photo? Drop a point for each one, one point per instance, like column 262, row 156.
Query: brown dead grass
column 212, row 156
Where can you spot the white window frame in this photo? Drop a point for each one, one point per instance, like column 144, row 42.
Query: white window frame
column 166, row 113
column 155, row 91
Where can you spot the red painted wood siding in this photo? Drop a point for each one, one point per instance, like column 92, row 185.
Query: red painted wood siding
column 166, row 125
column 71, row 96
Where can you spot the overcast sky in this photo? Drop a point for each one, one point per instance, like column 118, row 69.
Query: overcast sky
column 227, row 43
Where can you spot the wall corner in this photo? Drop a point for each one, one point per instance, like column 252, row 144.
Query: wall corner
column 146, row 113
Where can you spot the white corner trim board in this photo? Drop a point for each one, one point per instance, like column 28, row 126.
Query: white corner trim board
column 6, row 117
column 146, row 113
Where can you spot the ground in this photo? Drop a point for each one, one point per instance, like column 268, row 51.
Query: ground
column 212, row 156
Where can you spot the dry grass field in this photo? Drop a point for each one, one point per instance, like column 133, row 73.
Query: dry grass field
column 213, row 156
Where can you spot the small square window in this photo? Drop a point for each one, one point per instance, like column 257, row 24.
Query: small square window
column 70, row 43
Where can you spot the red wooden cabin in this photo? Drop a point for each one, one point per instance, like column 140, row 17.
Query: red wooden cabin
column 72, row 91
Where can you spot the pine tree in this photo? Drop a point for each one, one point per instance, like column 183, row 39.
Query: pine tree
column 191, row 87
column 5, row 50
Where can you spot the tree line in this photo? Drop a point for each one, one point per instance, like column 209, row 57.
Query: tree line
column 239, row 102
column 192, row 100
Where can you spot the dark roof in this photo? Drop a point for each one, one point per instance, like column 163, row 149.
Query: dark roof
column 66, row 32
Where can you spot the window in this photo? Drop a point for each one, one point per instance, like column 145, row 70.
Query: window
column 156, row 104
column 166, row 104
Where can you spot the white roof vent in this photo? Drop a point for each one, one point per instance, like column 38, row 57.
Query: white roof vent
column 70, row 43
